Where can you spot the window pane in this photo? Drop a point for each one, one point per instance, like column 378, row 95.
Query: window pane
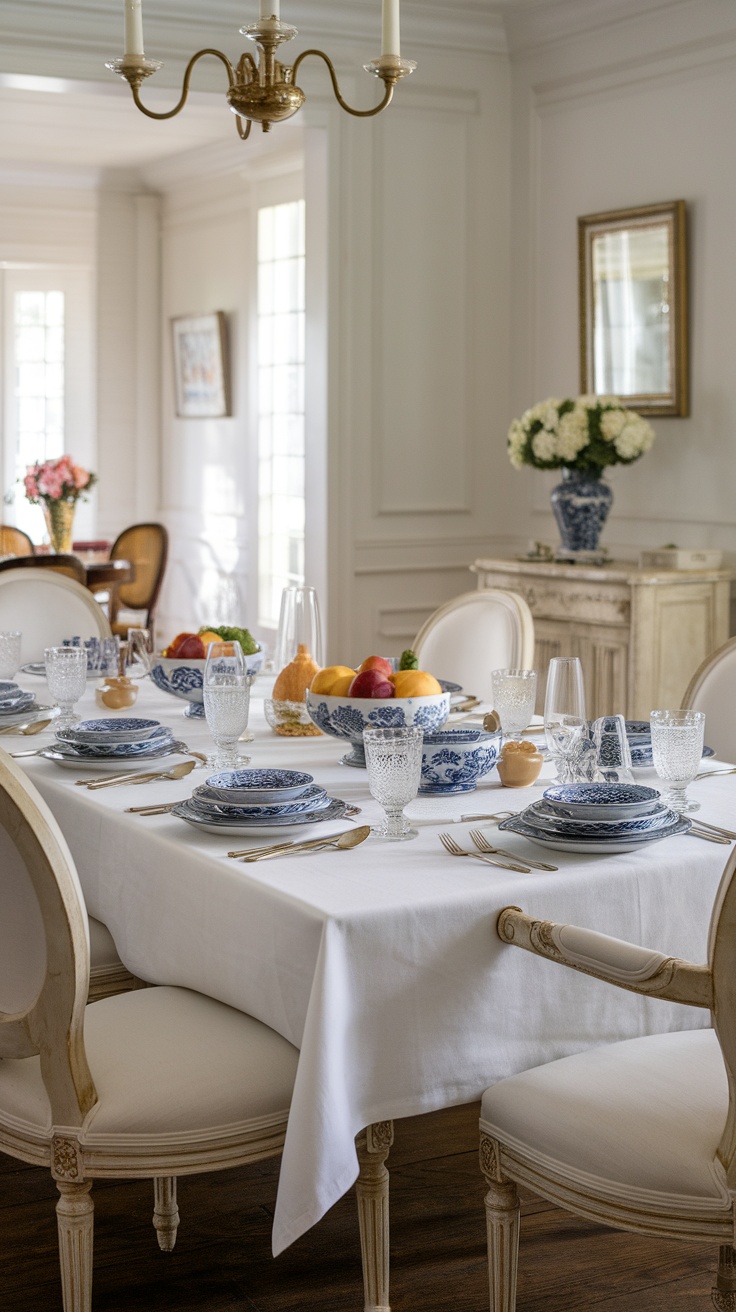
column 38, row 370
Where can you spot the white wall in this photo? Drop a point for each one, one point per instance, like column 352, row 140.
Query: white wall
column 631, row 113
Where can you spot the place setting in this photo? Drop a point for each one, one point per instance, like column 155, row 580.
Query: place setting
column 19, row 710
column 107, row 744
column 256, row 802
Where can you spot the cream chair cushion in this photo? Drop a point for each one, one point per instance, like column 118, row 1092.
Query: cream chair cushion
column 638, row 1120
column 140, row 1047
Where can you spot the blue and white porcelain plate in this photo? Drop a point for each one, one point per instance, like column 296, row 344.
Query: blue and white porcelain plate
column 260, row 786
column 603, row 846
column 12, row 702
column 541, row 817
column 311, row 799
column 114, row 764
column 124, row 730
column 25, row 714
column 119, row 751
column 601, row 801
column 7, row 687
column 285, row 824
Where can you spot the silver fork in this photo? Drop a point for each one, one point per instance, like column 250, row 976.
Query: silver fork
column 448, row 842
column 481, row 842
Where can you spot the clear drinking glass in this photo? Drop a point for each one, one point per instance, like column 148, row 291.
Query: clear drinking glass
column 514, row 694
column 564, row 714
column 226, row 690
column 10, row 642
column 299, row 622
column 613, row 753
column 394, row 761
column 677, row 749
column 66, row 677
column 140, row 647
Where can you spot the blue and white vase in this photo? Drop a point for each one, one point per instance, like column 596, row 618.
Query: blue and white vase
column 581, row 503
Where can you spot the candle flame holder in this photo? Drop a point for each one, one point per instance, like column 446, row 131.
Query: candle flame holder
column 263, row 92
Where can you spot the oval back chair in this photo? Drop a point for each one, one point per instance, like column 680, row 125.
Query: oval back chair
column 14, row 542
column 475, row 633
column 639, row 1135
column 146, row 546
column 47, row 607
column 713, row 689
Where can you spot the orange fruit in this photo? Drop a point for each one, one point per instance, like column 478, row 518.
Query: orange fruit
column 323, row 681
column 415, row 683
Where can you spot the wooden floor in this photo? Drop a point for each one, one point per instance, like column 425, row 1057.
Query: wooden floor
column 223, row 1259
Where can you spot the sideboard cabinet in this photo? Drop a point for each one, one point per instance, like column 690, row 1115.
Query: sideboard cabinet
column 640, row 633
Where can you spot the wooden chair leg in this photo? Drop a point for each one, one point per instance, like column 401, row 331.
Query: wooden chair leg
column 75, row 1221
column 502, row 1224
column 165, row 1211
column 723, row 1293
column 372, row 1193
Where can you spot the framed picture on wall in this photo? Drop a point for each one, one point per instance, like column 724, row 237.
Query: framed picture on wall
column 201, row 366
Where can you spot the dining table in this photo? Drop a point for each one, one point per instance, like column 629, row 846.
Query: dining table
column 381, row 964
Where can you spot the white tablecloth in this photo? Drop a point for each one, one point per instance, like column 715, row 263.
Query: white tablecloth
column 381, row 964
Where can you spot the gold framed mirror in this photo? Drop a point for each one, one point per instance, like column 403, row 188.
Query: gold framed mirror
column 633, row 307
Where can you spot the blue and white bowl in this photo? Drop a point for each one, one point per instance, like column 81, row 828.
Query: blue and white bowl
column 184, row 678
column 347, row 717
column 453, row 760
column 262, row 787
column 601, row 801
column 312, row 799
column 100, row 733
column 542, row 817
column 150, row 748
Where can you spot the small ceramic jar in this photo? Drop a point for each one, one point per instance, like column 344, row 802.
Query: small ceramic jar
column 519, row 765
column 116, row 694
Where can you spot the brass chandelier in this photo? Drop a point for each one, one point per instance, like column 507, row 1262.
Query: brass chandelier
column 264, row 92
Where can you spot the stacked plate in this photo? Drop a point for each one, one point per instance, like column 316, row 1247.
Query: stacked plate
column 251, row 801
column 597, row 818
column 108, row 744
column 17, row 706
column 639, row 735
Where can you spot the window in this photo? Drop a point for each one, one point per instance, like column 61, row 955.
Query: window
column 38, row 388
column 281, row 408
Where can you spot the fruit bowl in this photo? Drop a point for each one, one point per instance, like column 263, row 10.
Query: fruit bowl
column 183, row 678
column 347, row 717
column 453, row 760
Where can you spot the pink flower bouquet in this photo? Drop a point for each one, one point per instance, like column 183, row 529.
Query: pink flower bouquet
column 57, row 480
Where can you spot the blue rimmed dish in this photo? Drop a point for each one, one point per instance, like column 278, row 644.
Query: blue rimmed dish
column 124, row 730
column 602, row 846
column 601, row 801
column 335, row 809
column 258, row 786
column 311, row 799
column 541, row 817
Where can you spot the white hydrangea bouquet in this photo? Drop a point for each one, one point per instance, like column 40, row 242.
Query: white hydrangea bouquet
column 585, row 433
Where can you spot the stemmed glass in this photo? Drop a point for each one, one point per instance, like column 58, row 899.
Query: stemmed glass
column 564, row 714
column 394, row 761
column 299, row 625
column 514, row 693
column 140, row 646
column 66, row 676
column 10, row 642
column 612, row 751
column 226, row 690
column 677, row 749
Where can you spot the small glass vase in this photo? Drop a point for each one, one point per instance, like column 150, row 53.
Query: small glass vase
column 59, row 516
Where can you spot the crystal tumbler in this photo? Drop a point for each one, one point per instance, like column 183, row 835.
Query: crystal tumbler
column 66, row 676
column 677, row 749
column 514, row 693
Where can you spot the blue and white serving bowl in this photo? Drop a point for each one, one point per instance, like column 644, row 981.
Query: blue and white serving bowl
column 184, row 678
column 453, row 760
column 347, row 717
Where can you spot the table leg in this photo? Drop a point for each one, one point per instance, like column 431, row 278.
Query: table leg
column 372, row 1192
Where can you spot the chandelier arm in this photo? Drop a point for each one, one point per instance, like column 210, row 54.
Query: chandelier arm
column 357, row 113
column 185, row 84
column 243, row 133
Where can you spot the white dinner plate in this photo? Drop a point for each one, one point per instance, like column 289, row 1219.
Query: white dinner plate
column 27, row 716
column 113, row 765
column 601, row 846
column 296, row 824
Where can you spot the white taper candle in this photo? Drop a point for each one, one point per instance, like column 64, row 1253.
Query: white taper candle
column 270, row 9
column 133, row 27
column 391, row 28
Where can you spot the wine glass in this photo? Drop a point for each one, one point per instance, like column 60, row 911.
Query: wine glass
column 66, row 677
column 564, row 713
column 299, row 625
column 514, row 693
column 140, row 647
column 677, row 749
column 10, row 641
column 226, row 689
column 394, row 761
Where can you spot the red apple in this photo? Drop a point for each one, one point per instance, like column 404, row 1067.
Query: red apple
column 377, row 663
column 370, row 683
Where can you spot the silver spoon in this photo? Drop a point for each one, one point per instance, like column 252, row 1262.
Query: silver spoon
column 343, row 842
column 27, row 729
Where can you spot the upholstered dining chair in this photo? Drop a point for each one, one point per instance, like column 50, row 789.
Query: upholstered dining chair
column 638, row 1135
column 153, row 1083
column 14, row 542
column 475, row 633
column 47, row 607
column 60, row 562
column 146, row 546
column 713, row 689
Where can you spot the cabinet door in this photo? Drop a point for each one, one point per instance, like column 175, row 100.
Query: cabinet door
column 603, row 653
